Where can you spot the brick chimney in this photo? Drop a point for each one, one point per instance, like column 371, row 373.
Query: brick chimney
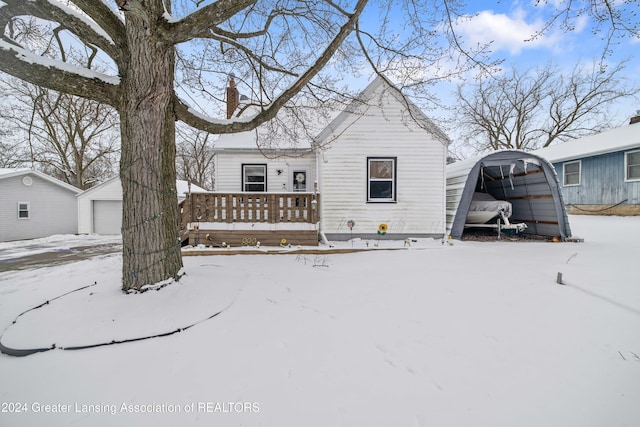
column 233, row 97
column 635, row 119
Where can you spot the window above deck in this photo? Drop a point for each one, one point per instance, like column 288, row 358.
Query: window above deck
column 254, row 177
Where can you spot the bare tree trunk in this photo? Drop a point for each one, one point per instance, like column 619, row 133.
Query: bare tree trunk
column 151, row 249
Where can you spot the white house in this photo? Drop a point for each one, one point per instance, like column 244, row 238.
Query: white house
column 100, row 207
column 241, row 166
column 380, row 161
column 385, row 164
column 33, row 205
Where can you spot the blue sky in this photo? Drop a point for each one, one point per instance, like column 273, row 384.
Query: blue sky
column 508, row 26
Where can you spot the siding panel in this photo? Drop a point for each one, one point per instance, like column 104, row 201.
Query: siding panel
column 52, row 209
column 602, row 182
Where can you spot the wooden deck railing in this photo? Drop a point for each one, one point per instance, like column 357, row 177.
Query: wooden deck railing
column 250, row 207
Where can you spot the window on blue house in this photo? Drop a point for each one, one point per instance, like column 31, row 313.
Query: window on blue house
column 381, row 179
column 571, row 173
column 632, row 165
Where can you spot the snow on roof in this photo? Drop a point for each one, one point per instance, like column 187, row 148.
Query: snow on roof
column 249, row 140
column 5, row 171
column 182, row 187
column 381, row 83
column 12, row 172
column 325, row 127
column 463, row 167
column 240, row 141
column 612, row 140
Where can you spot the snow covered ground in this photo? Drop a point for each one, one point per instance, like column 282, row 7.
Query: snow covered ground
column 473, row 334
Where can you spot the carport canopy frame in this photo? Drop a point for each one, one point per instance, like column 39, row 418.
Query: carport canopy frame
column 527, row 181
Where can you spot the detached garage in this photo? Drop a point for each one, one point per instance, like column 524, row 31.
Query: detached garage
column 100, row 207
column 514, row 184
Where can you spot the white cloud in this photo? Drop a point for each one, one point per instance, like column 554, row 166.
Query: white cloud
column 511, row 33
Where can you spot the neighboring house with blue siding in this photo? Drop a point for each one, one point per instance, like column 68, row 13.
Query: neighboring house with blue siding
column 600, row 174
column 33, row 205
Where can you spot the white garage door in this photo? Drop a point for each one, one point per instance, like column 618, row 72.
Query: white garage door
column 107, row 216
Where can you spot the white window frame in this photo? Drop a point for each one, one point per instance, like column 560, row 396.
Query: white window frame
column 626, row 166
column 244, row 177
column 21, row 209
column 393, row 180
column 564, row 173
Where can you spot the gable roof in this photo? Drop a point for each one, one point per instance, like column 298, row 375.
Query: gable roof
column 380, row 83
column 6, row 173
column 248, row 140
column 617, row 139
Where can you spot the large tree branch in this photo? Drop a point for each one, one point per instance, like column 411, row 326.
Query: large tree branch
column 106, row 19
column 195, row 24
column 184, row 113
column 68, row 18
column 57, row 75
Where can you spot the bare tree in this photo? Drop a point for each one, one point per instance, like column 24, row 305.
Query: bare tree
column 195, row 157
column 71, row 138
column 533, row 108
column 10, row 149
column 288, row 52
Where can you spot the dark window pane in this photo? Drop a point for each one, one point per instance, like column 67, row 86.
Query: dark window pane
column 380, row 189
column 254, row 178
column 633, row 159
column 572, row 168
column 254, row 187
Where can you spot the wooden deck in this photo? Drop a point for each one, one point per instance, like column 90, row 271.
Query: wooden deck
column 243, row 219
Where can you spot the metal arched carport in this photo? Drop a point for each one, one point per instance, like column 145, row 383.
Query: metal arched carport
column 527, row 181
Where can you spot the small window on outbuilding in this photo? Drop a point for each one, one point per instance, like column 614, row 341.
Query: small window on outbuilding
column 571, row 173
column 632, row 165
column 381, row 179
column 23, row 210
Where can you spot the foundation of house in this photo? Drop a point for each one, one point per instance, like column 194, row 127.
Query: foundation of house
column 620, row 210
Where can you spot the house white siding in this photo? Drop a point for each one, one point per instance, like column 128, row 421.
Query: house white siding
column 51, row 207
column 280, row 170
column 383, row 128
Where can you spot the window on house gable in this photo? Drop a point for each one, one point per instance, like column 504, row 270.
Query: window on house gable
column 381, row 179
column 254, row 178
column 571, row 173
column 23, row 210
column 632, row 165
